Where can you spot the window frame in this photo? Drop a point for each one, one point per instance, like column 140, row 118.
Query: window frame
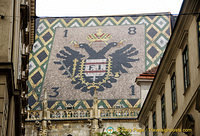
column 146, row 130
column 173, row 92
column 154, row 123
column 163, row 112
column 198, row 37
column 186, row 74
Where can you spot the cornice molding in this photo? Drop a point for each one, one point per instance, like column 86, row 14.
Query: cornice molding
column 161, row 89
column 152, row 107
column 143, row 80
column 171, row 66
column 183, row 39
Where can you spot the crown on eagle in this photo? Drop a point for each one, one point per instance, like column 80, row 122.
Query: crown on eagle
column 99, row 37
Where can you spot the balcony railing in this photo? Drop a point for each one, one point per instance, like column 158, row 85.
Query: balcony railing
column 119, row 113
column 84, row 114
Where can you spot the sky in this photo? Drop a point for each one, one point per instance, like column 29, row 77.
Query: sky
column 57, row 8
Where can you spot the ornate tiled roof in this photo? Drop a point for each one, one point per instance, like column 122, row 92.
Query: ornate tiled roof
column 155, row 31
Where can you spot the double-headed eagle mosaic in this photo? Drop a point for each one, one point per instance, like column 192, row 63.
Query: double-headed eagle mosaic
column 96, row 71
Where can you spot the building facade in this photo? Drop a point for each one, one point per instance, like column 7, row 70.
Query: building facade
column 172, row 104
column 145, row 80
column 16, row 38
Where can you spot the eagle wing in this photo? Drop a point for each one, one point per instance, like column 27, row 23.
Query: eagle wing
column 122, row 58
column 67, row 58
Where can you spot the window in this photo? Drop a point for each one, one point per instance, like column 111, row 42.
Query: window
column 163, row 112
column 173, row 91
column 198, row 27
column 186, row 68
column 154, row 124
column 146, row 130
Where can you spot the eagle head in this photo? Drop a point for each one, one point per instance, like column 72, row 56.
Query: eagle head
column 83, row 45
column 112, row 44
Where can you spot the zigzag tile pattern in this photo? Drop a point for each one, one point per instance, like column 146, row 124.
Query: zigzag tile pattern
column 158, row 30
